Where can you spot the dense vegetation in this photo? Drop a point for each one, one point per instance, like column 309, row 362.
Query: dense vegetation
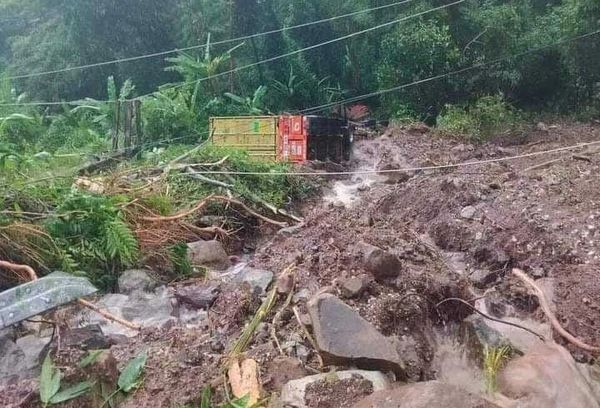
column 39, row 36
column 42, row 146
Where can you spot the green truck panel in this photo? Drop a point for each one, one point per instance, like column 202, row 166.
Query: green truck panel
column 255, row 134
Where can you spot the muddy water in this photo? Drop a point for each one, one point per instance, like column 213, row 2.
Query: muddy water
column 451, row 363
column 346, row 193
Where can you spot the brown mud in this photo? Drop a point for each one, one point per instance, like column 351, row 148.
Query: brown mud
column 457, row 234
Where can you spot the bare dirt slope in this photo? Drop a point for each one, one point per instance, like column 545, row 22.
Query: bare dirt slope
column 456, row 232
column 486, row 219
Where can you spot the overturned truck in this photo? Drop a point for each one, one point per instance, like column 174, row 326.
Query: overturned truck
column 293, row 139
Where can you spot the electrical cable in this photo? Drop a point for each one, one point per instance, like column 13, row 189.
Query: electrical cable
column 176, row 50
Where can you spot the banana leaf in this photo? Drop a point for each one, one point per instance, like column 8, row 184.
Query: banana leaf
column 32, row 298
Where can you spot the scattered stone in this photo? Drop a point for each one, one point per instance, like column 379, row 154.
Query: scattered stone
column 217, row 345
column 285, row 284
column 136, row 279
column 538, row 273
column 258, row 279
column 468, row 213
column 380, row 263
column 481, row 278
column 345, row 338
column 198, row 297
column 290, row 231
column 208, row 253
column 85, row 338
column 431, row 394
column 283, row 370
column 302, row 295
column 494, row 257
column 293, row 394
column 546, row 377
column 353, row 287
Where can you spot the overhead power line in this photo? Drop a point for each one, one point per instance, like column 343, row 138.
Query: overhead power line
column 312, row 47
column 278, row 57
column 195, row 47
column 400, row 170
column 436, row 77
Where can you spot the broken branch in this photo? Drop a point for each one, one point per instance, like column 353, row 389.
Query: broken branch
column 20, row 268
column 250, row 211
column 108, row 316
column 204, row 179
column 179, row 216
column 545, row 305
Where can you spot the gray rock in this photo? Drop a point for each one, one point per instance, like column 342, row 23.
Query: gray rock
column 11, row 360
column 380, row 263
column 208, row 253
column 481, row 278
column 34, row 348
column 290, row 231
column 475, row 334
column 345, row 338
column 302, row 295
column 432, row 394
column 85, row 338
column 294, row 392
column 136, row 279
column 547, row 377
column 468, row 213
column 198, row 297
column 353, row 287
column 258, row 279
column 146, row 309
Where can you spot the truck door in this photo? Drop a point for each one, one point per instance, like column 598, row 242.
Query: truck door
column 292, row 139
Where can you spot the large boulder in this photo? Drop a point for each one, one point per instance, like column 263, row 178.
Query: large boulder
column 432, row 394
column 210, row 254
column 547, row 377
column 381, row 264
column 344, row 338
column 293, row 394
column 136, row 279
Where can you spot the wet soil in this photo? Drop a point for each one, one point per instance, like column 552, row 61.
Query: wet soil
column 544, row 220
column 337, row 393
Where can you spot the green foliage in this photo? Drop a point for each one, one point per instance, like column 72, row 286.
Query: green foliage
column 50, row 379
column 94, row 237
column 90, row 358
column 20, row 130
column 489, row 116
column 206, row 401
column 493, row 360
column 130, row 377
column 418, row 50
column 250, row 105
column 181, row 263
column 277, row 190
